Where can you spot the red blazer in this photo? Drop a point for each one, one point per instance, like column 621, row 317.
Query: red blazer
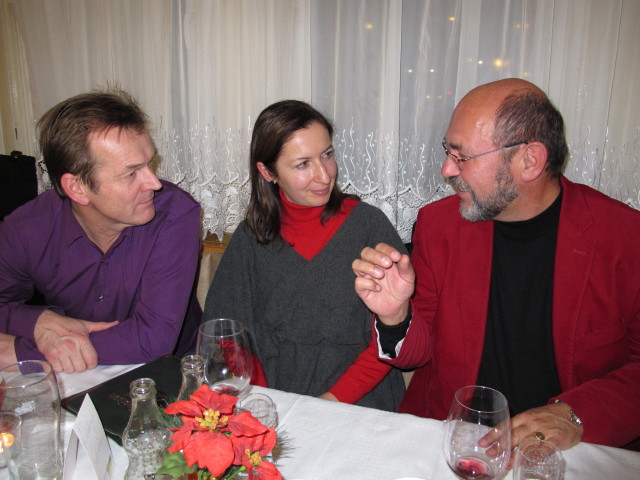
column 596, row 310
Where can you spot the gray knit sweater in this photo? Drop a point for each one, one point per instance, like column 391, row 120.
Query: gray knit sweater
column 306, row 321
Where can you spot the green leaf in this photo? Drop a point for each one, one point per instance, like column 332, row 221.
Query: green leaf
column 175, row 465
column 204, row 475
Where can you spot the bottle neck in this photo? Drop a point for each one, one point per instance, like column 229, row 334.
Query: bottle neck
column 143, row 399
column 192, row 367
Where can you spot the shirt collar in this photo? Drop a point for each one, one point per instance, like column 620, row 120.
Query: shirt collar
column 72, row 231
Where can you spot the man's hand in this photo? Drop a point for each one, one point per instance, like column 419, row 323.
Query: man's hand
column 64, row 341
column 385, row 281
column 553, row 421
column 7, row 350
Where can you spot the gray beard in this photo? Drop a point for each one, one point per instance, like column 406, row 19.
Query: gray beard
column 483, row 209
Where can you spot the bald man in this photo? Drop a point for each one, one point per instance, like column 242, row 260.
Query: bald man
column 523, row 281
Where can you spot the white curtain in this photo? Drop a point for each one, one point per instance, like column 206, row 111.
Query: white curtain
column 387, row 72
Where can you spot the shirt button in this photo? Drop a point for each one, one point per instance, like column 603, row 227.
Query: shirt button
column 101, row 298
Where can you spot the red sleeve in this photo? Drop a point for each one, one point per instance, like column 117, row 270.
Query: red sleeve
column 362, row 375
column 258, row 377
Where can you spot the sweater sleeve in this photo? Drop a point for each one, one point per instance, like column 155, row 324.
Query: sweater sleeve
column 361, row 376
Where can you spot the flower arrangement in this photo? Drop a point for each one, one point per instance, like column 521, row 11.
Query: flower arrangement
column 217, row 442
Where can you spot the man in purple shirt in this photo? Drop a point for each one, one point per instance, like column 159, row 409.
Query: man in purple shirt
column 113, row 250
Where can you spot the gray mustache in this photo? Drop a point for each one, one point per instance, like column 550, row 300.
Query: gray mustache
column 457, row 184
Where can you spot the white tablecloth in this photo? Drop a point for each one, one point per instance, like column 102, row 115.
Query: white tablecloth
column 328, row 440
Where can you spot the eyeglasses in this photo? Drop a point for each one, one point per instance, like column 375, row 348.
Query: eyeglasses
column 460, row 160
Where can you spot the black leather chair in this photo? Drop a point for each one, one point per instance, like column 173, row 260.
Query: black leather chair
column 18, row 181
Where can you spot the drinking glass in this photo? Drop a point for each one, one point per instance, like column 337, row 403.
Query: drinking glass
column 537, row 460
column 10, row 428
column 261, row 407
column 228, row 363
column 30, row 390
column 477, row 412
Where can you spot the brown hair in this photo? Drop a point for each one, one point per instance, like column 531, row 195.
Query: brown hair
column 64, row 131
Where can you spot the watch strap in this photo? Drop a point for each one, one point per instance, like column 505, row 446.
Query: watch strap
column 572, row 414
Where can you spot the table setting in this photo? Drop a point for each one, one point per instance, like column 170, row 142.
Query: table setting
column 334, row 440
column 301, row 437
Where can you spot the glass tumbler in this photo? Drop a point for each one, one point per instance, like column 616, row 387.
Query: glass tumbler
column 538, row 460
column 29, row 389
column 261, row 407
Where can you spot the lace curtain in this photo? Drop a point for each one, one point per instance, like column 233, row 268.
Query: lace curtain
column 387, row 72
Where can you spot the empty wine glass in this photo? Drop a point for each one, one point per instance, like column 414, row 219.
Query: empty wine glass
column 228, row 363
column 537, row 460
column 477, row 412
column 261, row 407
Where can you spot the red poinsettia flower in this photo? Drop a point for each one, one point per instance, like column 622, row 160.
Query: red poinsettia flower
column 210, row 421
column 215, row 438
column 207, row 411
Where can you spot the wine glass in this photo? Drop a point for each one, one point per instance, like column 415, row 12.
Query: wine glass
column 537, row 460
column 477, row 412
column 228, row 362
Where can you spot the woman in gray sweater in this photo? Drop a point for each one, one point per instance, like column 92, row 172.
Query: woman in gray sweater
column 286, row 273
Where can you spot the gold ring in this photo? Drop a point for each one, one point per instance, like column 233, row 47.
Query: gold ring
column 539, row 435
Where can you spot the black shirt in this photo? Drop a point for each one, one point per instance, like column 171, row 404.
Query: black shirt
column 518, row 358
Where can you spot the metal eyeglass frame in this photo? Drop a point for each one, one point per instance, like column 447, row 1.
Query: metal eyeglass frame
column 460, row 160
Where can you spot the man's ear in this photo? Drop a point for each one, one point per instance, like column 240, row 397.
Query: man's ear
column 534, row 161
column 74, row 188
column 264, row 171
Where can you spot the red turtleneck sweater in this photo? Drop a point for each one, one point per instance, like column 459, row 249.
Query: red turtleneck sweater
column 302, row 229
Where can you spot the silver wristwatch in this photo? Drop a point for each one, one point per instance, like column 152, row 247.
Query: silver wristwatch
column 572, row 414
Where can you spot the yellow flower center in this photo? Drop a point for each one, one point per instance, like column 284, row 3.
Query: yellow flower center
column 254, row 458
column 211, row 419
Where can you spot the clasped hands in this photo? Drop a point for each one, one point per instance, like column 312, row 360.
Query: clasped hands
column 65, row 343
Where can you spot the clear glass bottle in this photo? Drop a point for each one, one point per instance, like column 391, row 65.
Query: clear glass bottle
column 146, row 437
column 192, row 367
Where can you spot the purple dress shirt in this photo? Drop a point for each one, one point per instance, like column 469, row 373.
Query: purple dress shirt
column 145, row 280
